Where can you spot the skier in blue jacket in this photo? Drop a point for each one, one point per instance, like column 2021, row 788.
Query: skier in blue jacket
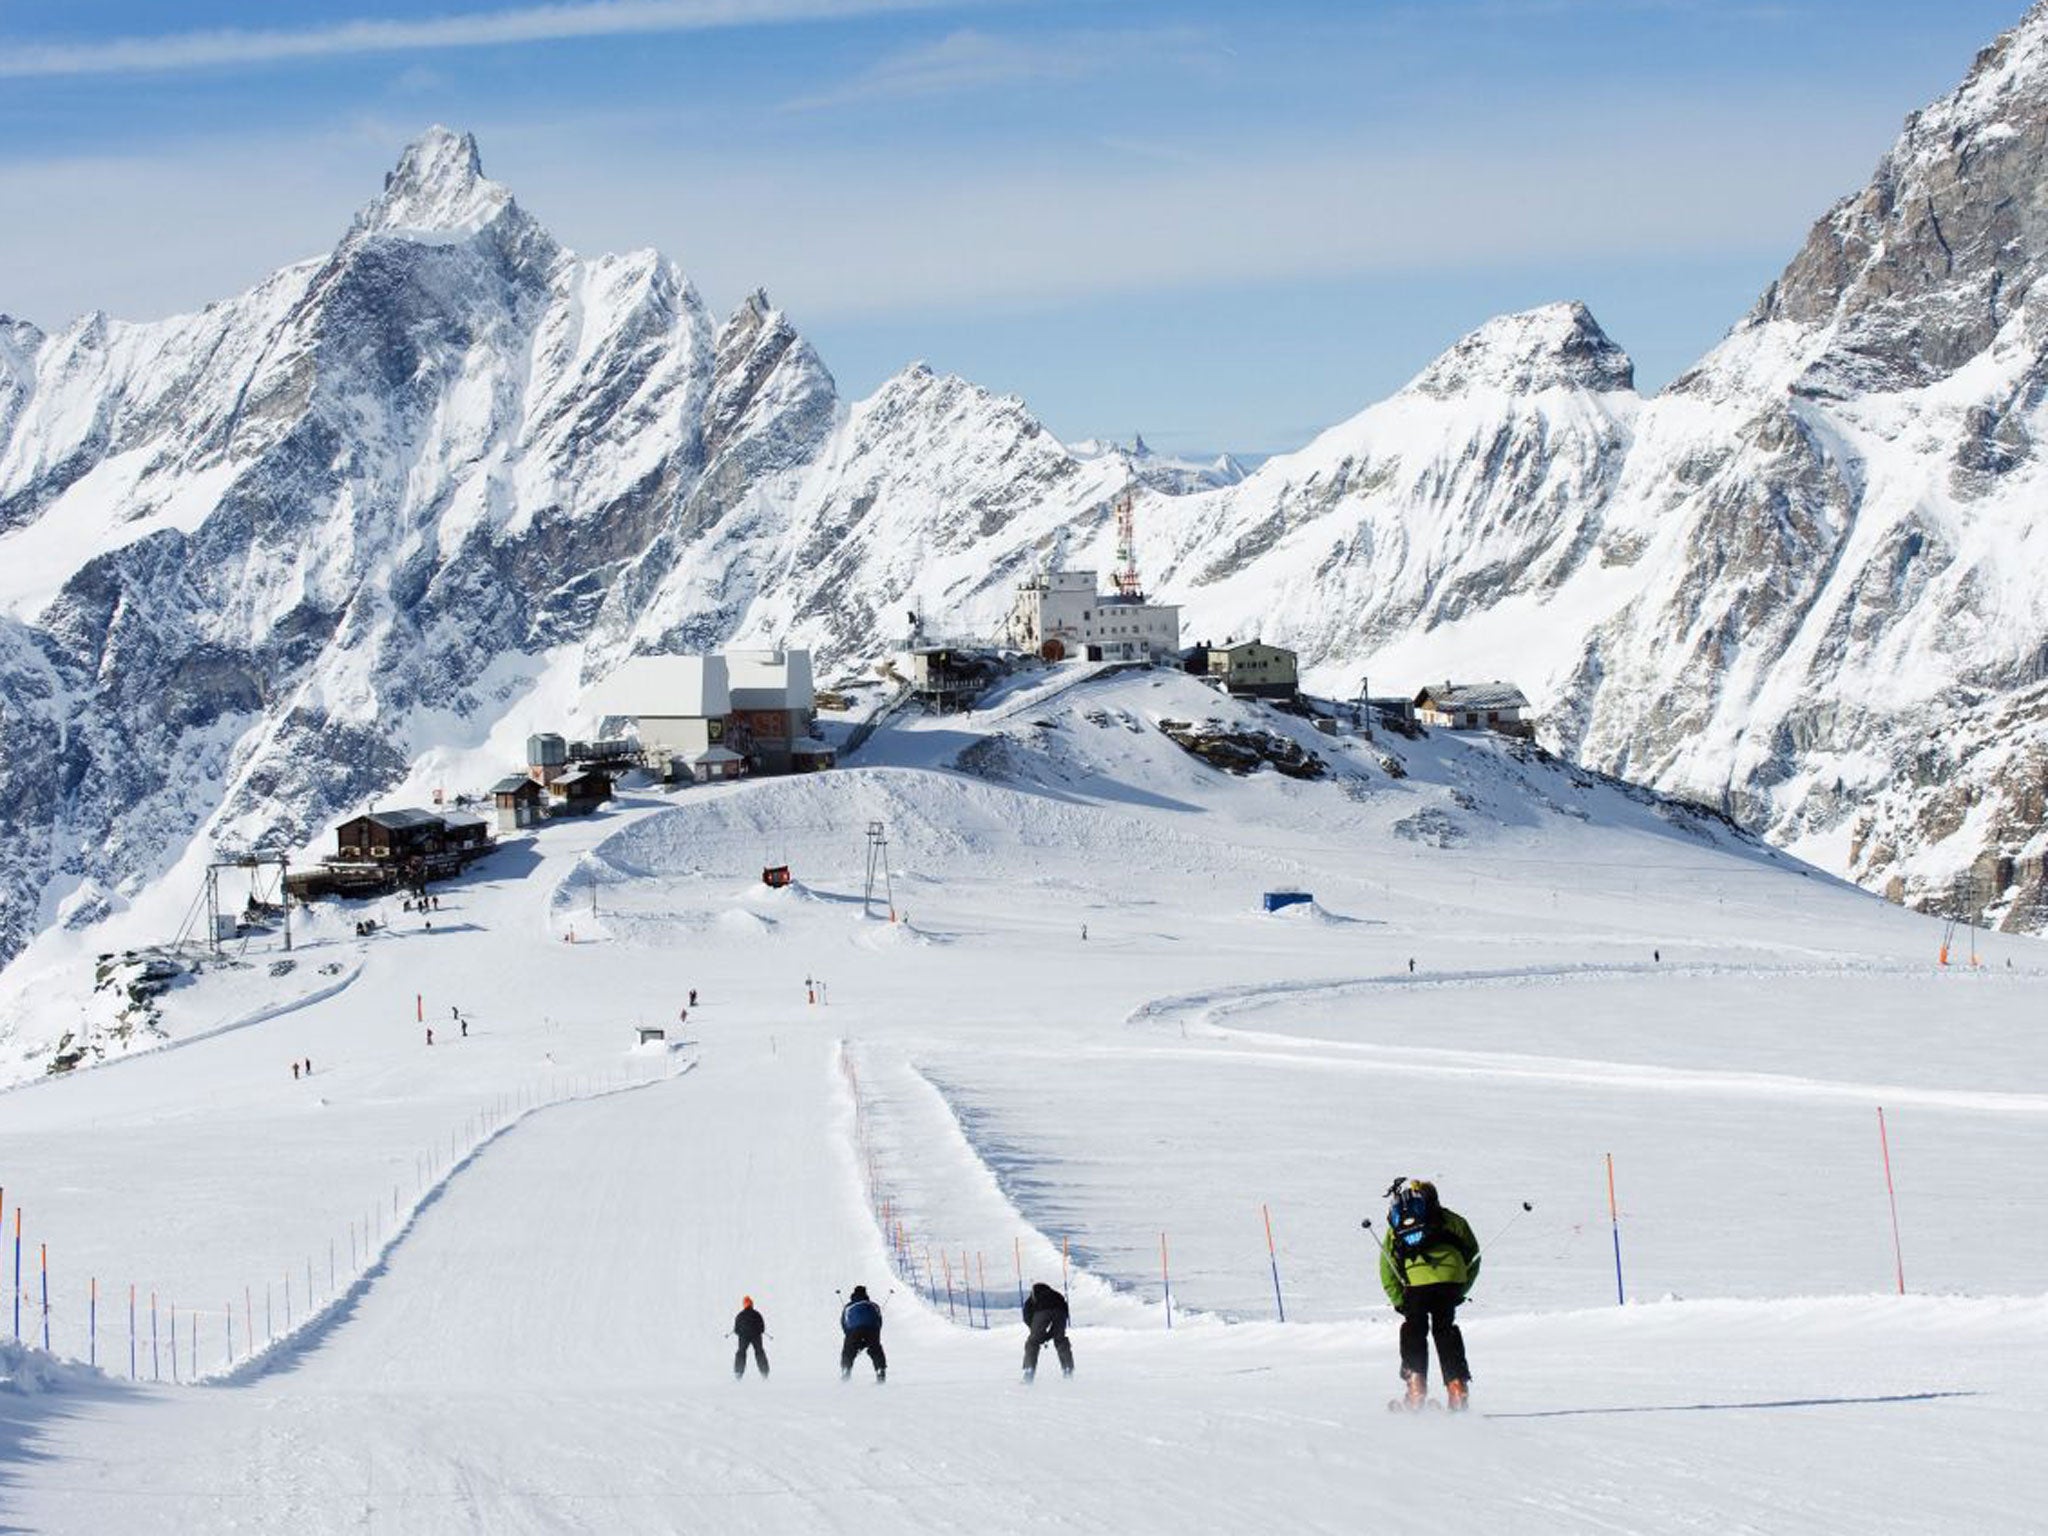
column 860, row 1321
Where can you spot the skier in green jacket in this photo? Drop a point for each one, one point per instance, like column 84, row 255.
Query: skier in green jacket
column 1428, row 1262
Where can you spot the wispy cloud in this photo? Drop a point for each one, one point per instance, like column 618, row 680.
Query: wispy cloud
column 840, row 233
column 973, row 60
column 172, row 51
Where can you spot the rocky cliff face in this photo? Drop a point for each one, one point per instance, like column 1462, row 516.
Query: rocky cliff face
column 1804, row 584
column 254, row 561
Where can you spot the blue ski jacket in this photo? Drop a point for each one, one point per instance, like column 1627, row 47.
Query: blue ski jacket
column 858, row 1315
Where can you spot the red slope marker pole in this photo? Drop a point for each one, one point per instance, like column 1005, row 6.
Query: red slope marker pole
column 1891, row 1193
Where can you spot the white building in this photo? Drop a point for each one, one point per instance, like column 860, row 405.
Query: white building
column 711, row 717
column 1060, row 614
column 679, row 705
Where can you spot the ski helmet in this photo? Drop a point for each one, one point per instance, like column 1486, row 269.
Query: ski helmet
column 1412, row 1216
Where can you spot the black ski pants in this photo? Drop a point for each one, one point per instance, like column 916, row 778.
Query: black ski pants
column 739, row 1359
column 858, row 1339
column 1048, row 1326
column 1428, row 1309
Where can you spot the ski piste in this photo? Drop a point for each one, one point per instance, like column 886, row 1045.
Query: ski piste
column 556, row 1310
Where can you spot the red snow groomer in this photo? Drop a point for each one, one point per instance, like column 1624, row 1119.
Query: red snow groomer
column 775, row 876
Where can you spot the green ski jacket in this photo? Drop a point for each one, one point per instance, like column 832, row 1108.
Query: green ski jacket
column 1450, row 1257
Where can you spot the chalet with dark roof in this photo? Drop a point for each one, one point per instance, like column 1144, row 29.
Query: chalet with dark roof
column 1495, row 706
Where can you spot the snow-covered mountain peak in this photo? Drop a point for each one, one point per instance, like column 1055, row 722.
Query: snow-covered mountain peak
column 1909, row 279
column 1168, row 474
column 438, row 186
column 1558, row 346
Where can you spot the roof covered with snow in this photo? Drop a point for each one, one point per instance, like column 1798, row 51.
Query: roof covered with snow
column 404, row 820
column 665, row 687
column 769, row 679
column 1494, row 695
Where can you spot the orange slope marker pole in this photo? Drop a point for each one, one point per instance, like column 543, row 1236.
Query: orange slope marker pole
column 1891, row 1193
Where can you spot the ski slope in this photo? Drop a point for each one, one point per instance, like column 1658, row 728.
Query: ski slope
column 535, row 1340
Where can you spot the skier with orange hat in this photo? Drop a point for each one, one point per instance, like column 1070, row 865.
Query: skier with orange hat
column 749, row 1328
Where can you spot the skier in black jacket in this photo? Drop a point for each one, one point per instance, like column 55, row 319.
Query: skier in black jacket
column 1045, row 1314
column 860, row 1320
column 748, row 1328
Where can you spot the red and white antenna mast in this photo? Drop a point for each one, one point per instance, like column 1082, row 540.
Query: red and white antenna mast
column 1128, row 585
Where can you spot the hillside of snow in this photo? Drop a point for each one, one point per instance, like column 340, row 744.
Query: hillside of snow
column 522, row 1244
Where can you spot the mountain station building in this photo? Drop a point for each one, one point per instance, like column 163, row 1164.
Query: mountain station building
column 1059, row 615
column 720, row 715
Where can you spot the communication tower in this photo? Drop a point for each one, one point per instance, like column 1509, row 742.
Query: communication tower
column 1128, row 586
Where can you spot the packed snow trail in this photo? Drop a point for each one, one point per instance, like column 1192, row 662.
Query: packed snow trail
column 545, row 1352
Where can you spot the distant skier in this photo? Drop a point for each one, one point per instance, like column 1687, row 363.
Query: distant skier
column 860, row 1320
column 1411, row 965
column 1428, row 1262
column 1045, row 1314
column 430, row 1034
column 693, row 997
column 749, row 1328
column 295, row 1071
column 309, row 1066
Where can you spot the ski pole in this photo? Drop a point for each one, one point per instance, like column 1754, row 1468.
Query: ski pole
column 1508, row 1225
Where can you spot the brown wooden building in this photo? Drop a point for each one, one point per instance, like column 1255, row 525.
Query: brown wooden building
column 580, row 792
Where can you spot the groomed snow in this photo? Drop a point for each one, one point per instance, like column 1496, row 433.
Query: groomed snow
column 536, row 1341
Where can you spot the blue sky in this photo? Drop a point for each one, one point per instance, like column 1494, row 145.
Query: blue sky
column 1224, row 225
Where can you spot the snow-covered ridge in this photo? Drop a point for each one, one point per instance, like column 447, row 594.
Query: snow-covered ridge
column 390, row 506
